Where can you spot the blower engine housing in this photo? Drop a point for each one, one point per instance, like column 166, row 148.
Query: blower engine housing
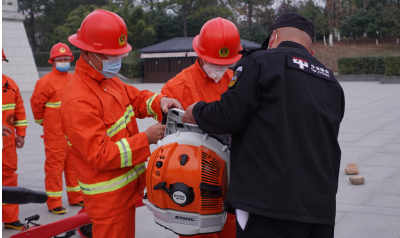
column 187, row 179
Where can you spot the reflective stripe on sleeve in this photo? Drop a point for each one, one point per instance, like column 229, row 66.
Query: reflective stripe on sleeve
column 125, row 153
column 73, row 189
column 21, row 123
column 8, row 106
column 40, row 121
column 53, row 104
column 54, row 194
column 149, row 104
column 67, row 141
column 113, row 184
column 122, row 122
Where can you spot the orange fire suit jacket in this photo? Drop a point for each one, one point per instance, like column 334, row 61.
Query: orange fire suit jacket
column 12, row 105
column 193, row 85
column 106, row 148
column 46, row 101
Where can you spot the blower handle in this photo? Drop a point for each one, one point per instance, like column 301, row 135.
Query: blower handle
column 164, row 119
column 32, row 218
column 163, row 186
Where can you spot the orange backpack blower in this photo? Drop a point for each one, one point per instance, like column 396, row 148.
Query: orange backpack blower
column 187, row 178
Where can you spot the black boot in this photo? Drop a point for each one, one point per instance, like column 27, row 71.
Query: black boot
column 17, row 225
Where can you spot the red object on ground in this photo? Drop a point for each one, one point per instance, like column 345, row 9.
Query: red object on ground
column 55, row 228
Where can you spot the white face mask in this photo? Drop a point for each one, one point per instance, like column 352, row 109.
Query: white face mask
column 62, row 66
column 215, row 71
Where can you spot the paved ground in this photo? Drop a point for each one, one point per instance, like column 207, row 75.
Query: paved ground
column 369, row 136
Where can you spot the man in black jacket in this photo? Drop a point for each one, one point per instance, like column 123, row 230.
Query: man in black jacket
column 283, row 109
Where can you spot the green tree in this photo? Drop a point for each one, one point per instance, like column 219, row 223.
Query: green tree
column 251, row 9
column 391, row 21
column 184, row 8
column 71, row 26
column 363, row 21
column 256, row 33
column 34, row 23
column 317, row 15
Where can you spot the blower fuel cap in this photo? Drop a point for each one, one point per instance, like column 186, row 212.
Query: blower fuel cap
column 180, row 193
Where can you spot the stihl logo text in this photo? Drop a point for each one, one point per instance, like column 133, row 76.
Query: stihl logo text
column 185, row 218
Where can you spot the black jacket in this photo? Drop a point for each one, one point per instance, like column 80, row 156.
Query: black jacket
column 283, row 109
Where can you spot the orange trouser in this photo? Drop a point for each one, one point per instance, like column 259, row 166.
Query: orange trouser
column 56, row 163
column 120, row 226
column 229, row 230
column 9, row 164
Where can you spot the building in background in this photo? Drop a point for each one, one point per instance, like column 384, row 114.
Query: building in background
column 166, row 59
column 21, row 66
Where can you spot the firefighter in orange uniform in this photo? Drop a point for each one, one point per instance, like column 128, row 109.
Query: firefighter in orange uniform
column 98, row 117
column 14, row 130
column 217, row 46
column 45, row 103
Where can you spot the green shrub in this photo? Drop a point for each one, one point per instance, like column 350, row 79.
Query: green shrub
column 361, row 65
column 42, row 58
column 392, row 66
column 133, row 68
column 132, row 65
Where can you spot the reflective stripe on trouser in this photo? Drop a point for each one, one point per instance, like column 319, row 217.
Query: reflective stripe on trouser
column 10, row 178
column 56, row 163
column 39, row 121
column 10, row 106
column 113, row 184
column 149, row 104
column 53, row 104
column 67, row 140
column 121, row 225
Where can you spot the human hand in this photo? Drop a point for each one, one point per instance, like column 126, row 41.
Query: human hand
column 155, row 133
column 188, row 116
column 168, row 103
column 6, row 131
column 19, row 142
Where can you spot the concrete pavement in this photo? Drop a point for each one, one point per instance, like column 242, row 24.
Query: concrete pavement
column 369, row 136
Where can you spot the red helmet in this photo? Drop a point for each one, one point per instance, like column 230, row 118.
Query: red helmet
column 218, row 42
column 60, row 50
column 3, row 58
column 102, row 32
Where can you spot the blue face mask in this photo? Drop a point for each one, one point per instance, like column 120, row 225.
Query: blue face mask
column 62, row 66
column 110, row 67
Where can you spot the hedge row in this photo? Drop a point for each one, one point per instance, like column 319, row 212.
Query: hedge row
column 392, row 66
column 132, row 68
column 361, row 65
column 370, row 65
column 42, row 58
